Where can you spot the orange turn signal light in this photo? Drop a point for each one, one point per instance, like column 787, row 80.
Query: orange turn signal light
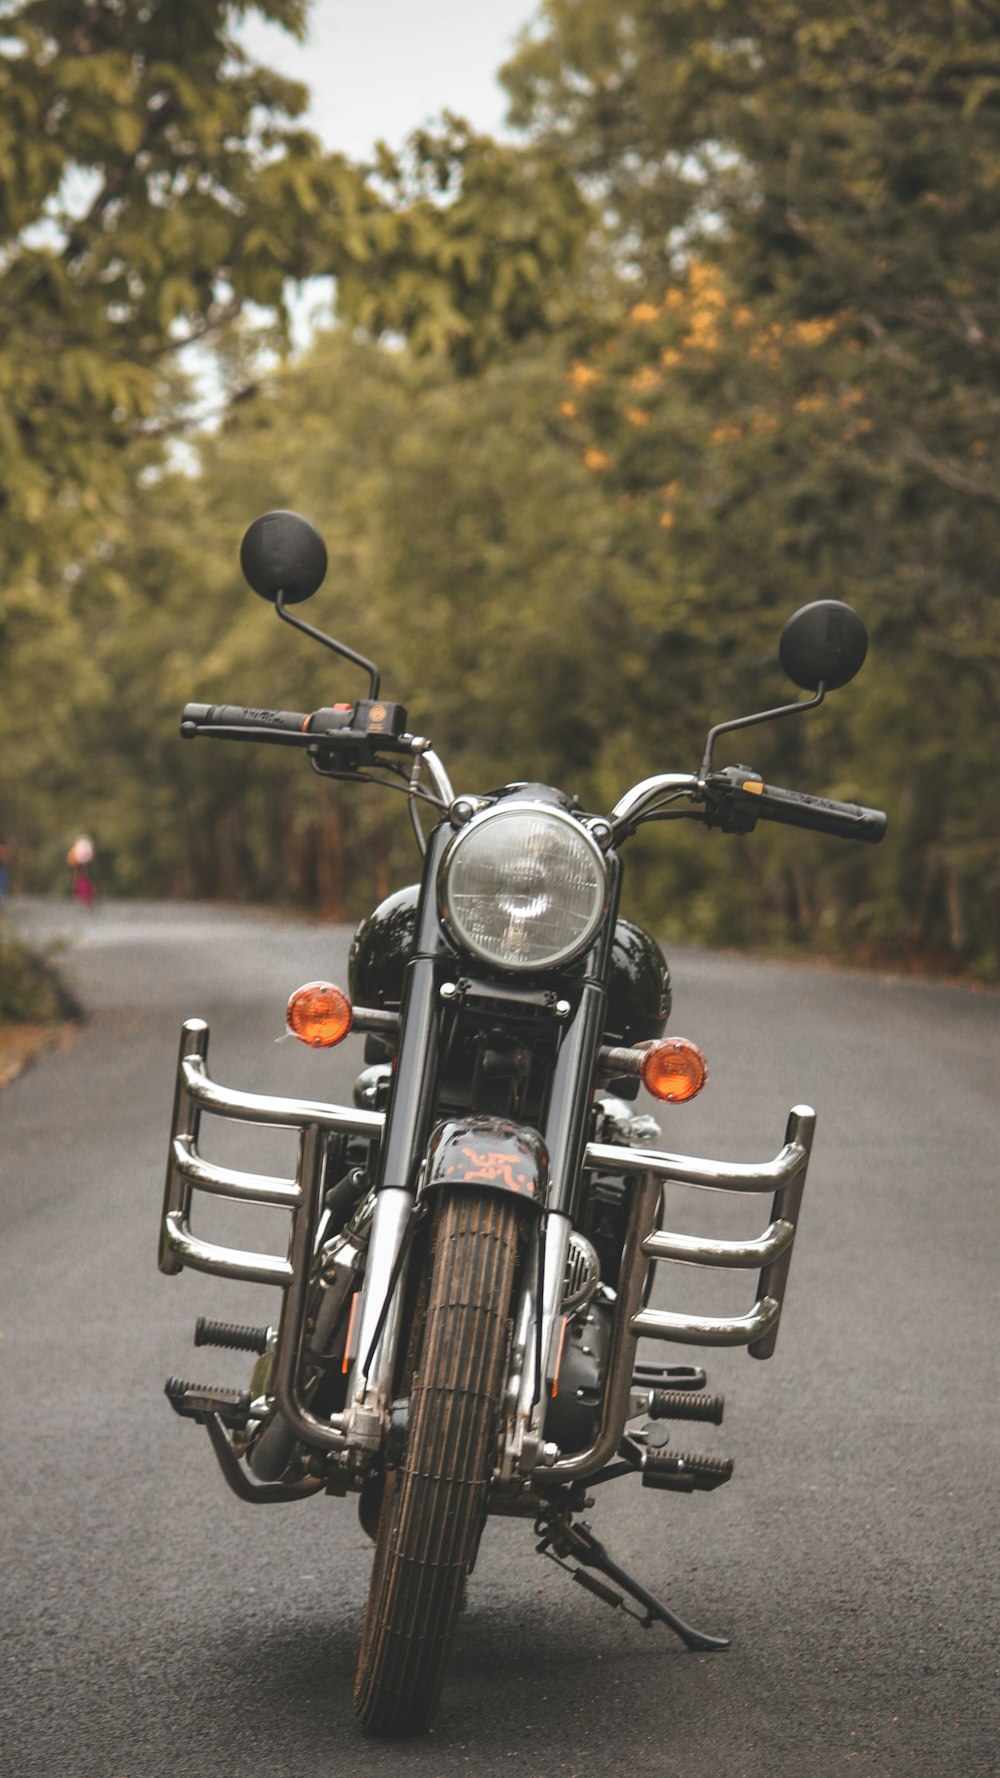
column 674, row 1069
column 319, row 1014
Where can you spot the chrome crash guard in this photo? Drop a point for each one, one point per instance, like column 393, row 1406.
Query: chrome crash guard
column 188, row 1172
column 784, row 1177
column 346, row 1432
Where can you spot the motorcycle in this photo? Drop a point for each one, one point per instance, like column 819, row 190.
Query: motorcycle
column 472, row 1242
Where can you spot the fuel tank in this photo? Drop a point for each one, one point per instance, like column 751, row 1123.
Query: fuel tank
column 638, row 990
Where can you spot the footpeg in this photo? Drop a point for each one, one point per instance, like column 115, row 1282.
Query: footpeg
column 683, row 1474
column 231, row 1335
column 194, row 1401
column 682, row 1404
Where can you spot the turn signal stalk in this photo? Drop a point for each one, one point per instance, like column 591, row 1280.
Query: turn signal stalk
column 319, row 1014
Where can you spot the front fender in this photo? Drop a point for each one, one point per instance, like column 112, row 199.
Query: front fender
column 490, row 1152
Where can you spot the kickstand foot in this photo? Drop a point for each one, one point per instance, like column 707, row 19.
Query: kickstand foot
column 561, row 1539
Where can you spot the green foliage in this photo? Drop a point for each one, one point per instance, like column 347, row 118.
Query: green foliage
column 841, row 175
column 481, row 247
column 157, row 195
column 31, row 991
column 462, row 534
column 719, row 337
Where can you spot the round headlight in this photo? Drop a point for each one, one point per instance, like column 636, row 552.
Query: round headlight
column 524, row 887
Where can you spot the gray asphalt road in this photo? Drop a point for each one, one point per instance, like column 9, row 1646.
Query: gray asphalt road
column 152, row 1625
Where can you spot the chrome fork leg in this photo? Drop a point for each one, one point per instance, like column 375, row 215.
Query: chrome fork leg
column 369, row 1395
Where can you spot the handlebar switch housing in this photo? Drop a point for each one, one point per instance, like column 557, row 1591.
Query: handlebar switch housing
column 728, row 801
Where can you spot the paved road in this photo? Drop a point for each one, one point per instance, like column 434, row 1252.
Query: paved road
column 152, row 1625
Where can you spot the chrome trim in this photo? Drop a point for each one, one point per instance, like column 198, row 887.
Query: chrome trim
column 302, row 1196
column 772, row 1251
column 583, row 1272
column 703, row 1250
column 372, row 1393
column 621, row 1358
column 732, row 1176
column 227, row 1182
column 634, row 804
column 757, row 1329
column 557, row 1233
column 327, row 1434
column 267, row 1108
column 225, row 1262
column 709, row 1330
column 435, row 768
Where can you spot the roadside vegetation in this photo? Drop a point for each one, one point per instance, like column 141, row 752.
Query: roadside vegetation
column 591, row 414
column 36, row 1006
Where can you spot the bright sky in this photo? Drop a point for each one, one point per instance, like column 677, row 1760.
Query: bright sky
column 380, row 68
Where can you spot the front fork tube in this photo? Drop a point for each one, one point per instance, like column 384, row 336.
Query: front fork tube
column 537, row 1337
column 369, row 1392
column 539, row 1323
column 407, row 1127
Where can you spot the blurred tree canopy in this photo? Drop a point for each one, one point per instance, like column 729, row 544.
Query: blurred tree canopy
column 806, row 389
column 717, row 336
column 158, row 199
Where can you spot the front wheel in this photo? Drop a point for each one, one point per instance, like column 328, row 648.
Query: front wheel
column 434, row 1505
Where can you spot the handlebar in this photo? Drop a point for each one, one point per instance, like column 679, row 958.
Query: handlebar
column 233, row 722
column 366, row 724
column 349, row 735
column 738, row 799
column 339, row 739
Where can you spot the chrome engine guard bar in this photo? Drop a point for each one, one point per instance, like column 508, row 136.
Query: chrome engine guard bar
column 785, row 1176
column 187, row 1172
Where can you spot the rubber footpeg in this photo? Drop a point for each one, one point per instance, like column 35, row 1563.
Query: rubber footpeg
column 680, row 1404
column 231, row 1335
column 681, row 1474
column 195, row 1400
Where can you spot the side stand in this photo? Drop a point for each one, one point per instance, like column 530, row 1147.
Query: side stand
column 560, row 1539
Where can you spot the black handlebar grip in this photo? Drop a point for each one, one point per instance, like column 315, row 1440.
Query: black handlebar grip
column 286, row 728
column 848, row 821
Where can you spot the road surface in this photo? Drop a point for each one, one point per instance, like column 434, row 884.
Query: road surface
column 154, row 1626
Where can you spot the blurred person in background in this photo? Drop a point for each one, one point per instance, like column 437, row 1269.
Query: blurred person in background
column 79, row 858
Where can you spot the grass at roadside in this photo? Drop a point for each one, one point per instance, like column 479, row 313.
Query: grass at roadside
column 37, row 1009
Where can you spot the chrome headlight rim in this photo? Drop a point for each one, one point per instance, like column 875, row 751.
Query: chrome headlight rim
column 507, row 811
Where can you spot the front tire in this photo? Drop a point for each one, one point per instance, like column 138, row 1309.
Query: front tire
column 434, row 1505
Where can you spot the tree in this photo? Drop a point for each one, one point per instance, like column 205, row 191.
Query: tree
column 153, row 183
column 467, row 556
column 839, row 171
column 157, row 196
column 481, row 247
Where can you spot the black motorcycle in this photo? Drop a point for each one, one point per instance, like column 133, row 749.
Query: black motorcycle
column 472, row 1243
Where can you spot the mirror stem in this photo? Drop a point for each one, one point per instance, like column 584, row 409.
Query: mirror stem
column 359, row 660
column 723, row 728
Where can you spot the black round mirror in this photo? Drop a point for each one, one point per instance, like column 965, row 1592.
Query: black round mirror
column 283, row 553
column 825, row 641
